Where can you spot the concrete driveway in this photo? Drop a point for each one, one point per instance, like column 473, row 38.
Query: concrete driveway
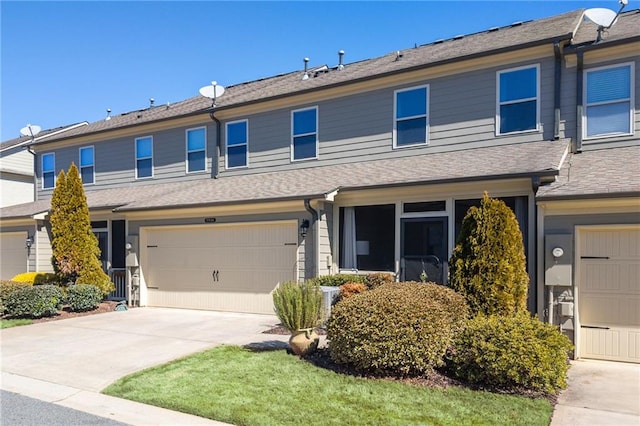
column 70, row 361
column 600, row 393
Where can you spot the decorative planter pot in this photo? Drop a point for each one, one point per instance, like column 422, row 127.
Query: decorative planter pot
column 303, row 342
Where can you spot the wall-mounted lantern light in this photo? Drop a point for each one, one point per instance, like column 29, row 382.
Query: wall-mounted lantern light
column 304, row 228
column 29, row 241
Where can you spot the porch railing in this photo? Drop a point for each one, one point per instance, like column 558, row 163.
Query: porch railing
column 119, row 278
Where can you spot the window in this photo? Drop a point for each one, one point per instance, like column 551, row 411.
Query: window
column 367, row 237
column 196, row 150
column 48, row 171
column 237, row 144
column 86, row 165
column 609, row 100
column 518, row 106
column 304, row 134
column 410, row 125
column 144, row 157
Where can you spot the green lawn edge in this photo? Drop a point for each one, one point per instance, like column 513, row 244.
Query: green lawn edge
column 244, row 387
column 8, row 323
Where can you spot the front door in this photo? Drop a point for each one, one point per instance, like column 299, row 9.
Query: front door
column 424, row 249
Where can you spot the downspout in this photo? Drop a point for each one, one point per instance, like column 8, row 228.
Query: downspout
column 316, row 236
column 535, row 184
column 579, row 101
column 216, row 172
column 557, row 90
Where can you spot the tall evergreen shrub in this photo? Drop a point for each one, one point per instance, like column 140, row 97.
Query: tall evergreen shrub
column 75, row 246
column 488, row 264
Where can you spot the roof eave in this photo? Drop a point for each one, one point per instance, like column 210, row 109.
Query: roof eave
column 587, row 196
column 592, row 45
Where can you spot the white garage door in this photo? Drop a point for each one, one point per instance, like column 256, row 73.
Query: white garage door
column 218, row 267
column 13, row 254
column 609, row 294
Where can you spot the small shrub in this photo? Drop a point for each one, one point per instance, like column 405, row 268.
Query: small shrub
column 351, row 289
column 298, row 306
column 377, row 279
column 6, row 288
column 336, row 280
column 83, row 297
column 511, row 351
column 94, row 275
column 401, row 329
column 35, row 302
column 36, row 278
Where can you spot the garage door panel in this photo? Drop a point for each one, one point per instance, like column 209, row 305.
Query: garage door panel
column 609, row 294
column 13, row 254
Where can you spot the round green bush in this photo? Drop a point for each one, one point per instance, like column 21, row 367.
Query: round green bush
column 83, row 297
column 510, row 352
column 34, row 302
column 401, row 329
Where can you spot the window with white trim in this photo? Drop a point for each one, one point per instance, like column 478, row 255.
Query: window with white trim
column 196, row 150
column 144, row 157
column 518, row 103
column 304, row 134
column 48, row 170
column 608, row 101
column 237, row 144
column 411, row 124
column 87, row 170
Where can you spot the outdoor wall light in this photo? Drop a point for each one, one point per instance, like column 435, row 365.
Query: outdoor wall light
column 29, row 242
column 304, row 228
column 128, row 246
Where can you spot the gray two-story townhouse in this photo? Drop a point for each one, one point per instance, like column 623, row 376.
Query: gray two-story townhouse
column 369, row 167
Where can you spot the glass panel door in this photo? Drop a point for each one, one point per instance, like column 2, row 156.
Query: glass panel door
column 424, row 249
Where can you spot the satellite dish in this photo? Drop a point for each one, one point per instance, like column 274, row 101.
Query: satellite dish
column 30, row 130
column 601, row 16
column 212, row 92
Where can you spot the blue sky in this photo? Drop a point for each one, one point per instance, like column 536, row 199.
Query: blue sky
column 66, row 62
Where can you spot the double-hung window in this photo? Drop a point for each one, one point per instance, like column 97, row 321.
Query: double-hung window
column 410, row 124
column 48, row 170
column 518, row 103
column 87, row 170
column 237, row 144
column 304, row 134
column 609, row 101
column 196, row 150
column 144, row 157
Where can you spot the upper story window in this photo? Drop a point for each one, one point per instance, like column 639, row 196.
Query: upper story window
column 609, row 101
column 518, row 106
column 144, row 157
column 87, row 170
column 48, row 170
column 196, row 150
column 304, row 134
column 410, row 125
column 237, row 144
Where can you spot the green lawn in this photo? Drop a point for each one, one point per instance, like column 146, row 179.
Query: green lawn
column 238, row 386
column 8, row 323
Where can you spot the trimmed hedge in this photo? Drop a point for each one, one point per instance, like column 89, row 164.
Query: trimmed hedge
column 510, row 352
column 351, row 289
column 36, row 278
column 400, row 329
column 337, row 280
column 83, row 297
column 377, row 279
column 34, row 302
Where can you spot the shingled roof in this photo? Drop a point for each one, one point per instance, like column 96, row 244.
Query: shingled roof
column 517, row 160
column 512, row 37
column 599, row 173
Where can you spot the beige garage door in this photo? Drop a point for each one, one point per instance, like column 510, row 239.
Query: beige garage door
column 609, row 293
column 13, row 254
column 218, row 267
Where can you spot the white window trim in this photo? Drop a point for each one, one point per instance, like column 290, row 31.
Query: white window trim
column 186, row 150
column 536, row 98
column 305, row 134
column 395, row 119
column 93, row 163
column 42, row 169
column 145, row 158
column 226, row 145
column 631, row 66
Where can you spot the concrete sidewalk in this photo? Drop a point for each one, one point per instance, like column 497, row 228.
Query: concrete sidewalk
column 68, row 362
column 600, row 393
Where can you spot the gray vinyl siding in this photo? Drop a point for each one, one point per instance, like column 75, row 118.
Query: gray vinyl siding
column 17, row 160
column 569, row 117
column 43, row 241
column 326, row 238
column 359, row 127
column 114, row 159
